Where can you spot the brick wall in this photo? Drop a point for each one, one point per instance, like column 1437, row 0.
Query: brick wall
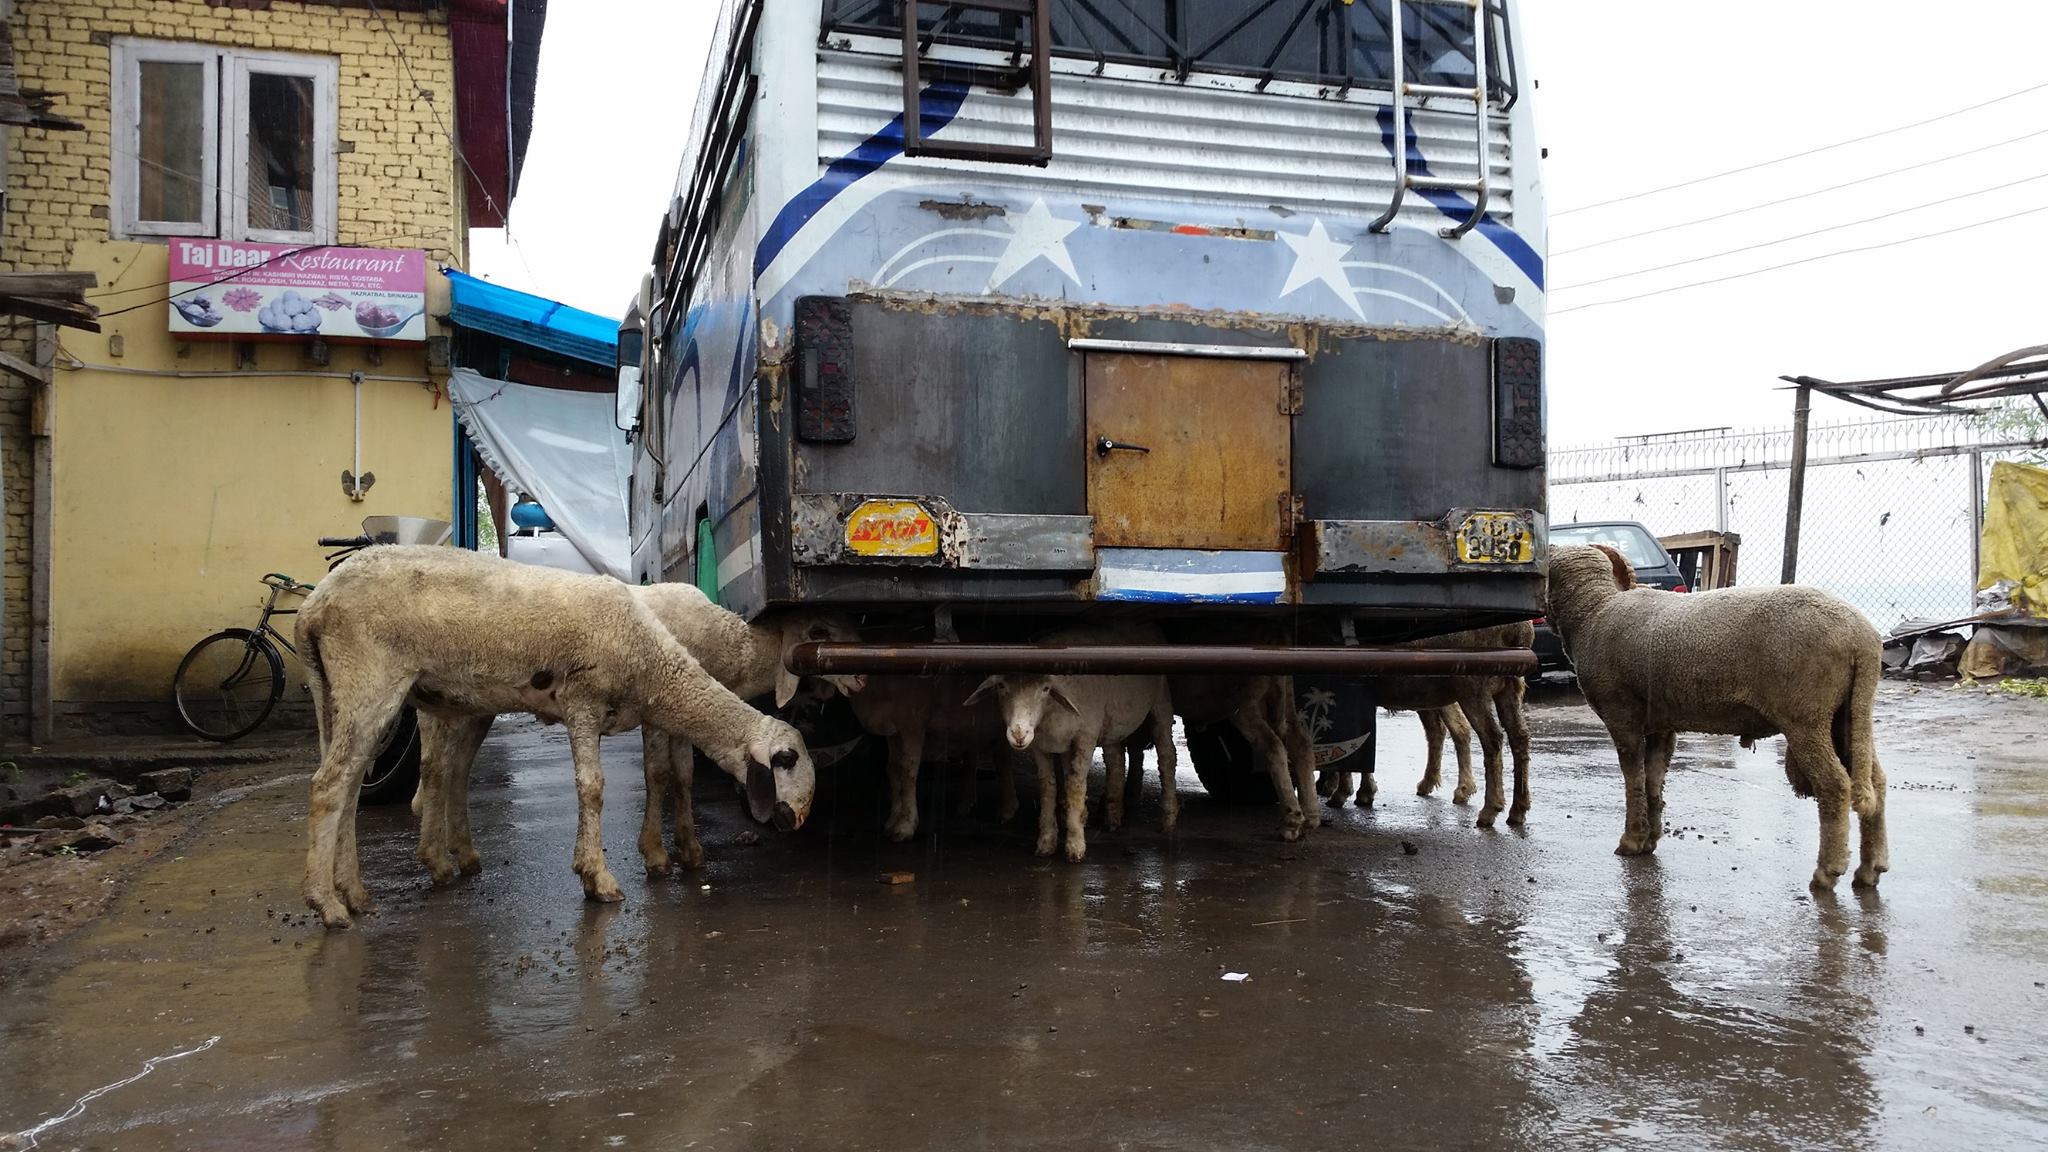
column 396, row 175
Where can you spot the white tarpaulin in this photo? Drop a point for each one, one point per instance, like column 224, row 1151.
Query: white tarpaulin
column 559, row 447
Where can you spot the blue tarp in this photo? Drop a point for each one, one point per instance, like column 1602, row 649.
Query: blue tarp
column 530, row 319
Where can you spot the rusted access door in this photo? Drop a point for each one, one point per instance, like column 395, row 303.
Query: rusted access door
column 1188, row 452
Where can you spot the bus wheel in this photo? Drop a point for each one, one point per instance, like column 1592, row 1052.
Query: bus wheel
column 1225, row 765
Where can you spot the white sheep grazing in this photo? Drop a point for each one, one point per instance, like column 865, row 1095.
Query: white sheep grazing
column 1061, row 720
column 1261, row 708
column 922, row 717
column 1481, row 699
column 749, row 659
column 464, row 635
column 1747, row 662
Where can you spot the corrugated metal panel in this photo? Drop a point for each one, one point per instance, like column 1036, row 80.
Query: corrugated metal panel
column 1174, row 142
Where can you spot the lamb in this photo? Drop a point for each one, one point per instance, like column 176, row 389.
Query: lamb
column 1261, row 708
column 1747, row 662
column 465, row 636
column 1061, row 720
column 922, row 716
column 749, row 659
column 1472, row 695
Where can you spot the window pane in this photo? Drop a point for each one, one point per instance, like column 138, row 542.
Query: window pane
column 280, row 152
column 169, row 176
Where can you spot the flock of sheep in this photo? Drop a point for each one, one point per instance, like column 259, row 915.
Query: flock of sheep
column 465, row 637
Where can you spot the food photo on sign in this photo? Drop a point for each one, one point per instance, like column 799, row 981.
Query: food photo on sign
column 225, row 288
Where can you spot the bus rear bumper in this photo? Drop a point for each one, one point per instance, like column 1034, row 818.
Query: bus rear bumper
column 832, row 659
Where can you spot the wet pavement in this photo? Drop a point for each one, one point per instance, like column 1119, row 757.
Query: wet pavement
column 1502, row 990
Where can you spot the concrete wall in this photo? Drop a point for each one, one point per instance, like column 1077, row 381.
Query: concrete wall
column 171, row 494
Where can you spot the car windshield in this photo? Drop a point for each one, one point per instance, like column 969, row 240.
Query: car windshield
column 1637, row 546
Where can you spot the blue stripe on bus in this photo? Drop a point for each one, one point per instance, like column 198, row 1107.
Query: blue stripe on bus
column 1455, row 205
column 940, row 103
column 1151, row 596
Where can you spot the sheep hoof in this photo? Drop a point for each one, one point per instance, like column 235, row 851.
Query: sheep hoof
column 1462, row 796
column 1044, row 848
column 1290, row 833
column 357, row 898
column 1866, row 876
column 900, row 831
column 1076, row 854
column 440, row 869
column 1487, row 815
column 468, row 862
column 1635, row 846
column 1823, row 879
column 1364, row 800
column 1517, row 817
column 603, row 889
column 1427, row 788
column 692, row 856
column 331, row 912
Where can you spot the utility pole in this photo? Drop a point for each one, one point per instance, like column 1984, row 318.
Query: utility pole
column 1795, row 496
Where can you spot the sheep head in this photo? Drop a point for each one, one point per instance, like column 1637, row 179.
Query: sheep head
column 805, row 628
column 1581, row 578
column 1023, row 700
column 780, row 779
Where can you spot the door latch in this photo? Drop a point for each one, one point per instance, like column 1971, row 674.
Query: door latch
column 1105, row 446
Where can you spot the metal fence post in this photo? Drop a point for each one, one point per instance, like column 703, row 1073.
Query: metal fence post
column 1976, row 517
column 1795, row 497
column 1721, row 500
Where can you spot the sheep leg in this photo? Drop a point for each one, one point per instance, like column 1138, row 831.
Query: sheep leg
column 1472, row 699
column 448, row 747
column 1074, row 803
column 1301, row 756
column 682, row 766
column 352, row 738
column 906, row 754
column 1876, row 849
column 1460, row 731
column 1433, row 734
column 1048, row 801
column 655, row 770
column 1168, row 758
column 598, row 883
column 1339, row 788
column 1810, row 751
column 969, row 785
column 1508, row 702
column 1134, row 779
column 1113, row 787
column 1657, row 750
column 1266, row 745
column 1635, row 836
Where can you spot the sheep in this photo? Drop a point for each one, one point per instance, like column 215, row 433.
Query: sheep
column 1061, row 720
column 1261, row 708
column 749, row 659
column 1471, row 695
column 1747, row 662
column 466, row 636
column 922, row 716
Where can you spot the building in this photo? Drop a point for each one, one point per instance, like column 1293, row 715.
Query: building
column 263, row 190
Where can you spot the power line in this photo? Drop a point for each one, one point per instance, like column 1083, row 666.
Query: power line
column 1805, row 260
column 1802, row 235
column 1798, row 196
column 1798, row 155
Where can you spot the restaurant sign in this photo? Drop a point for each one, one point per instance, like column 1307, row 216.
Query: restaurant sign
column 225, row 288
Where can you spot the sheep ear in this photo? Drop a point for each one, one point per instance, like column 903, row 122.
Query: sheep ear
column 786, row 683
column 987, row 686
column 1624, row 572
column 759, row 789
column 1061, row 696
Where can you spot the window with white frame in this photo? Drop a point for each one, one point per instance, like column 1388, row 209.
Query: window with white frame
column 226, row 142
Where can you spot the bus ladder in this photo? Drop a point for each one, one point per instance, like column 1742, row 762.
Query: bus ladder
column 1403, row 179
column 1037, row 73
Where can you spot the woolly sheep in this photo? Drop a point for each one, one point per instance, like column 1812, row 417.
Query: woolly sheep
column 1746, row 662
column 923, row 717
column 1481, row 699
column 1261, row 708
column 463, row 636
column 749, row 659
column 1061, row 720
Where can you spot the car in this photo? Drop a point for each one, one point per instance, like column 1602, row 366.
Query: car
column 1654, row 569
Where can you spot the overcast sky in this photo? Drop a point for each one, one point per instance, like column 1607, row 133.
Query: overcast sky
column 1632, row 97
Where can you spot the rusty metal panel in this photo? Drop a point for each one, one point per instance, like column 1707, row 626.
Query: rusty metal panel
column 1413, row 547
column 825, row 531
column 1188, row 452
column 993, row 540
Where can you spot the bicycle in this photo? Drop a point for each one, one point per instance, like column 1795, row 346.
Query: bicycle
column 229, row 683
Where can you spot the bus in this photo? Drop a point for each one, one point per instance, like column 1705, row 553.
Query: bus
column 983, row 318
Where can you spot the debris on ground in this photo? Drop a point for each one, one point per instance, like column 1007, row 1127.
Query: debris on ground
column 897, row 877
column 746, row 838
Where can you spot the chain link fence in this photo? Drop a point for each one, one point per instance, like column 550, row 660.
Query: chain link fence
column 1891, row 511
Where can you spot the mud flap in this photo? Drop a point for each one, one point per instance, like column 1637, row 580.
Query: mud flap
column 1342, row 718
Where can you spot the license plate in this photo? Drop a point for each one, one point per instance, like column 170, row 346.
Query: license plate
column 1496, row 538
column 891, row 528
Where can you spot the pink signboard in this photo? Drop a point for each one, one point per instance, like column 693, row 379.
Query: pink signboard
column 225, row 288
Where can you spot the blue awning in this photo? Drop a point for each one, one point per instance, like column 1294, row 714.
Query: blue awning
column 531, row 319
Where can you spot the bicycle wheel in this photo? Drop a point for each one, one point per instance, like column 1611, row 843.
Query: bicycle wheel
column 228, row 683
column 395, row 772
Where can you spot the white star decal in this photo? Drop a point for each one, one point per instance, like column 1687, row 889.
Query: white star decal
column 1034, row 234
column 1319, row 258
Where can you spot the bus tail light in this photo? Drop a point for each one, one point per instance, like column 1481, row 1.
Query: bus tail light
column 1517, row 402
